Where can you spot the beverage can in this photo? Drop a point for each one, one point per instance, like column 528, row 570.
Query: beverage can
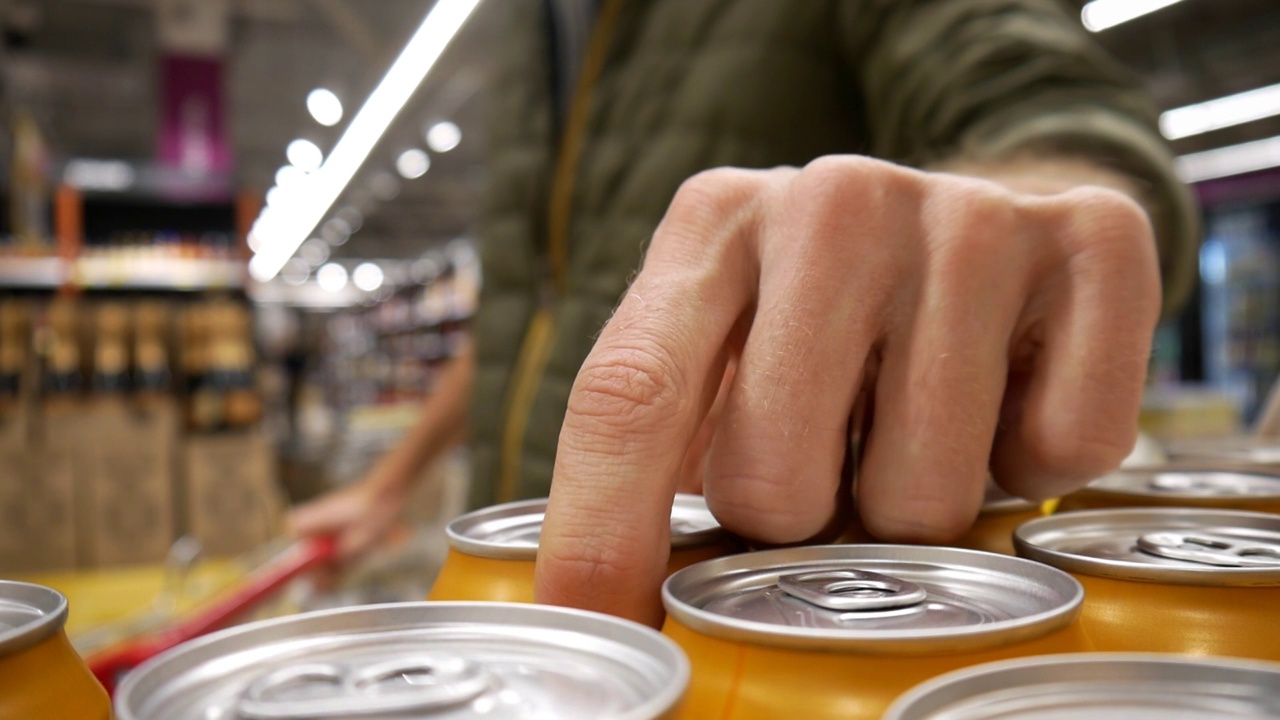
column 839, row 631
column 1185, row 580
column 41, row 676
column 1231, row 489
column 492, row 550
column 411, row 661
column 1138, row 686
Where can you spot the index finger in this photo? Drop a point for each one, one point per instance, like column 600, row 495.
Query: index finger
column 639, row 399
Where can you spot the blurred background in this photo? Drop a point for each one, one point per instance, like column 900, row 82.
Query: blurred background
column 174, row 364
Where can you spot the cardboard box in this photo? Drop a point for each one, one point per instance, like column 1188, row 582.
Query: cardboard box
column 230, row 498
column 125, row 482
column 37, row 512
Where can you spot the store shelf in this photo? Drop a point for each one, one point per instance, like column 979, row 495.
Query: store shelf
column 175, row 274
column 31, row 272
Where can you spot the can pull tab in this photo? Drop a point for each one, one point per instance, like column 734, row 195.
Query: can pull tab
column 1210, row 549
column 846, row 590
column 420, row 684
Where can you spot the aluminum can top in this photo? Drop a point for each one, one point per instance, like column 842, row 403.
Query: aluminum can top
column 1100, row 686
column 1190, row 485
column 28, row 614
column 442, row 661
column 1181, row 546
column 511, row 531
column 1235, row 449
column 897, row 599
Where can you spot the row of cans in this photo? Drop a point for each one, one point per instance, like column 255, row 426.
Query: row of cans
column 839, row 631
column 508, row 661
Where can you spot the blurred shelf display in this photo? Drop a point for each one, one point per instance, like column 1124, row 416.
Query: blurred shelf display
column 1240, row 303
column 104, row 273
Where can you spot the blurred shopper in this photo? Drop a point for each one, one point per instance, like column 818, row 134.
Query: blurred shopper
column 991, row 308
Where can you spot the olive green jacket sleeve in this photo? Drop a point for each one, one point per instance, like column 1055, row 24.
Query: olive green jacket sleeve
column 991, row 79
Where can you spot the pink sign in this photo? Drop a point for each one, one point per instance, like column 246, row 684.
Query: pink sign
column 193, row 127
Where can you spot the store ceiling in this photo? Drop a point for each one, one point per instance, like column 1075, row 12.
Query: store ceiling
column 88, row 69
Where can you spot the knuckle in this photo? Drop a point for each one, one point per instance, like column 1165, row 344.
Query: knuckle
column 583, row 561
column 1107, row 222
column 977, row 221
column 1111, row 241
column 711, row 195
column 845, row 185
column 623, row 385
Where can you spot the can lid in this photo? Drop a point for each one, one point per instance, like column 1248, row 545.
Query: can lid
column 511, row 531
column 1189, row 484
column 1183, row 546
column 28, row 614
column 1240, row 449
column 413, row 661
column 900, row 599
column 1102, row 686
column 997, row 501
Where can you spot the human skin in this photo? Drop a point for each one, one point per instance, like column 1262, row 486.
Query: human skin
column 999, row 323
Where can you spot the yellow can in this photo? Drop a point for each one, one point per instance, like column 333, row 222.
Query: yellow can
column 492, row 550
column 1185, row 487
column 41, row 676
column 1180, row 580
column 1109, row 685
column 839, row 631
column 415, row 661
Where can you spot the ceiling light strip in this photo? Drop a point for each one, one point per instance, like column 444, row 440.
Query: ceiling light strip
column 1231, row 160
column 284, row 226
column 1102, row 14
column 1221, row 113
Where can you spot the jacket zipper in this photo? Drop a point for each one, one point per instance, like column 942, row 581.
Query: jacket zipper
column 536, row 348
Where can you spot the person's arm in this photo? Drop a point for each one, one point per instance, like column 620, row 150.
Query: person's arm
column 996, row 325
column 361, row 514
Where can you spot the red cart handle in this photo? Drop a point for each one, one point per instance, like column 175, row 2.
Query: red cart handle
column 110, row 663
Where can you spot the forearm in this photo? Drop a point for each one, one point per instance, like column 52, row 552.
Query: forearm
column 441, row 424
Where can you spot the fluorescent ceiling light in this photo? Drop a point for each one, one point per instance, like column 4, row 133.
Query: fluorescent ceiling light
column 304, row 155
column 332, row 277
column 367, row 276
column 1102, row 14
column 291, row 222
column 1232, row 160
column 444, row 136
column 1223, row 112
column 289, row 175
column 324, row 106
column 412, row 163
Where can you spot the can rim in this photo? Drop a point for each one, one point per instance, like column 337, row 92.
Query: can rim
column 51, row 604
column 1120, row 490
column 1003, row 506
column 459, row 538
column 194, row 653
column 1024, row 541
column 922, row 700
column 897, row 642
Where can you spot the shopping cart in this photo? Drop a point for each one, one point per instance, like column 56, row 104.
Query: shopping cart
column 156, row 635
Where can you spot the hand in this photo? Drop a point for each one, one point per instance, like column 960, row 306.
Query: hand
column 973, row 327
column 360, row 515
